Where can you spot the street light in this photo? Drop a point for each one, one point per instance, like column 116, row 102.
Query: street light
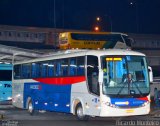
column 98, row 18
column 110, row 21
column 96, row 28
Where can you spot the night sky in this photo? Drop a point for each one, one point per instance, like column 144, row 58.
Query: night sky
column 142, row 16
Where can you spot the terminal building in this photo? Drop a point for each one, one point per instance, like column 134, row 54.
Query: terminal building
column 46, row 39
column 148, row 44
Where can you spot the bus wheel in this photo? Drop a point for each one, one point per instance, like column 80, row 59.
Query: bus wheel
column 30, row 107
column 79, row 113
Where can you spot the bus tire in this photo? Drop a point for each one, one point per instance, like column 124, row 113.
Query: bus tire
column 79, row 113
column 30, row 107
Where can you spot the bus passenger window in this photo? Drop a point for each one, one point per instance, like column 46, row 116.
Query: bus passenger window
column 17, row 71
column 58, row 68
column 51, row 69
column 35, row 70
column 26, row 71
column 80, row 66
column 64, row 67
column 73, row 67
column 44, row 66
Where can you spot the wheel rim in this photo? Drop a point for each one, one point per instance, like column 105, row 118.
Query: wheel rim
column 80, row 112
column 30, row 107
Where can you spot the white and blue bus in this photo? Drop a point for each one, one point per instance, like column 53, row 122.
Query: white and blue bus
column 84, row 83
column 5, row 83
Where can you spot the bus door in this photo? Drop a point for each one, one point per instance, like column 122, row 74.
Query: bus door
column 92, row 77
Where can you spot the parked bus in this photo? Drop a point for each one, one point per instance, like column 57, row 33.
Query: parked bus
column 94, row 40
column 5, row 83
column 84, row 83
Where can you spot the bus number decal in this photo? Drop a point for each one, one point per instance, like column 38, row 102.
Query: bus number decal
column 35, row 87
column 7, row 85
column 95, row 43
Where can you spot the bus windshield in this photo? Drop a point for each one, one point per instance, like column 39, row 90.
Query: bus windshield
column 125, row 76
column 5, row 75
column 97, row 37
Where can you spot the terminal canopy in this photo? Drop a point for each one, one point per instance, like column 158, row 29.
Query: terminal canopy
column 10, row 54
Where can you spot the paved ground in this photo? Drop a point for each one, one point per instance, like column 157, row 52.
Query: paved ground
column 19, row 117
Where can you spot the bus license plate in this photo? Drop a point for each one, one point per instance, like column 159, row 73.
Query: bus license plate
column 129, row 110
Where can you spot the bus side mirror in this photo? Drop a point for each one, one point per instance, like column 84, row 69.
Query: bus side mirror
column 100, row 78
column 150, row 74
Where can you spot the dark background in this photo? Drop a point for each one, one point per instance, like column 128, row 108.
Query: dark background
column 142, row 16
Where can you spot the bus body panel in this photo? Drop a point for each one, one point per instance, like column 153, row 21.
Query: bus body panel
column 48, row 97
column 18, row 92
column 90, row 102
column 5, row 90
column 47, row 94
column 5, row 82
column 60, row 98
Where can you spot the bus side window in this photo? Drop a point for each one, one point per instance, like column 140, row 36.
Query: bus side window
column 58, row 68
column 73, row 67
column 51, row 67
column 17, row 71
column 44, row 66
column 80, row 66
column 35, row 70
column 26, row 71
column 64, row 66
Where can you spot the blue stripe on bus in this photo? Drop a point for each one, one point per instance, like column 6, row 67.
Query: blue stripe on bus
column 130, row 102
column 48, row 97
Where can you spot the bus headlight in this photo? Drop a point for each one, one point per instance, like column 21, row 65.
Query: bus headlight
column 109, row 104
column 9, row 98
column 145, row 103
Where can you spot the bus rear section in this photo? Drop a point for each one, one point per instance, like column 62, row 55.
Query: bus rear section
column 5, row 83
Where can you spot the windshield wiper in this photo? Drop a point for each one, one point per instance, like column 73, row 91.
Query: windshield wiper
column 130, row 90
column 121, row 89
column 137, row 88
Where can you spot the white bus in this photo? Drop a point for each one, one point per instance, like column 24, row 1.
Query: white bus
column 84, row 83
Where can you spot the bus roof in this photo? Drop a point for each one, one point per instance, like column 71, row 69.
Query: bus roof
column 77, row 52
column 5, row 66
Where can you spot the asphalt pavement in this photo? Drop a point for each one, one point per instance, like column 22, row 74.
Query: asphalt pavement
column 18, row 117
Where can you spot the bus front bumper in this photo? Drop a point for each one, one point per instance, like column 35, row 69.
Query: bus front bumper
column 107, row 111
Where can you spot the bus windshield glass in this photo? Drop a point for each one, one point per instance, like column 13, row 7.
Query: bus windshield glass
column 125, row 76
column 97, row 37
column 5, row 75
